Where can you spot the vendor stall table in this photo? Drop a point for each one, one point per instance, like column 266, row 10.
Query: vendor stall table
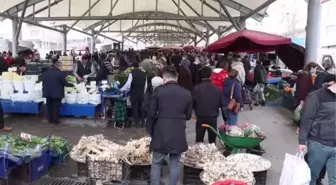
column 274, row 80
column 10, row 106
column 80, row 110
column 112, row 97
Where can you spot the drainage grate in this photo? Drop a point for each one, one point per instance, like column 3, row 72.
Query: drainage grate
column 59, row 181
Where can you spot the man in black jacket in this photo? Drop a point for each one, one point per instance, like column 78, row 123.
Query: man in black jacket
column 170, row 108
column 260, row 80
column 207, row 99
column 317, row 133
column 136, row 84
column 53, row 81
column 84, row 69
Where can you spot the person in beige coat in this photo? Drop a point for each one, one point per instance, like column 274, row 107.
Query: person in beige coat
column 239, row 66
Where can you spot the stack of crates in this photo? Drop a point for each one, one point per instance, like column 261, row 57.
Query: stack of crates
column 33, row 170
column 141, row 174
column 191, row 176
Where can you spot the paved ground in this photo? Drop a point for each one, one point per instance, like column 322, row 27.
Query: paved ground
column 275, row 121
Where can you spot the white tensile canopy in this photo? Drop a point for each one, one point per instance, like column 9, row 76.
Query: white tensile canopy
column 179, row 21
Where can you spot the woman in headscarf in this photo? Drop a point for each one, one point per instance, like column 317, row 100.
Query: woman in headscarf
column 184, row 75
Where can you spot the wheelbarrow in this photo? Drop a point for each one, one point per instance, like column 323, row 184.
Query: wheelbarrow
column 236, row 143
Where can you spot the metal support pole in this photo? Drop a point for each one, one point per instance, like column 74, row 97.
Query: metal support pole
column 122, row 43
column 14, row 39
column 313, row 31
column 195, row 41
column 242, row 21
column 207, row 39
column 93, row 41
column 64, row 48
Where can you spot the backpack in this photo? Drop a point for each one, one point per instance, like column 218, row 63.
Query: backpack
column 218, row 78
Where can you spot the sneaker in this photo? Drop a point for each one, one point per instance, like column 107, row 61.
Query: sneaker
column 256, row 104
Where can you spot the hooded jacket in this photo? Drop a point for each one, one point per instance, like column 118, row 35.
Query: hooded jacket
column 241, row 71
column 318, row 121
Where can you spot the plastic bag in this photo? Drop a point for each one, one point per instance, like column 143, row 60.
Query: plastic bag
column 295, row 170
column 297, row 113
column 235, row 131
column 71, row 98
column 95, row 99
column 83, row 98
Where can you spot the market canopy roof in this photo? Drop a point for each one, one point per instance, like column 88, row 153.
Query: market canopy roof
column 147, row 19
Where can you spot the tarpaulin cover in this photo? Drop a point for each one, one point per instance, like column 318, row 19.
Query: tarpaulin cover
column 248, row 41
column 292, row 55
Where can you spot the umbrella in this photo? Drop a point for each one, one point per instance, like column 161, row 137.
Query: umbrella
column 248, row 41
column 292, row 55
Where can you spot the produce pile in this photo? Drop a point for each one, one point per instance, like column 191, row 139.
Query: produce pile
column 243, row 130
column 59, row 146
column 200, row 153
column 139, row 152
column 80, row 93
column 105, row 158
column 97, row 148
column 28, row 147
column 238, row 167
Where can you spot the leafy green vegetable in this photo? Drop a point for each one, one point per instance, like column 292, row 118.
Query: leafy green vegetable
column 71, row 79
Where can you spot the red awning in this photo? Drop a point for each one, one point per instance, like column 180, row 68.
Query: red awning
column 248, row 41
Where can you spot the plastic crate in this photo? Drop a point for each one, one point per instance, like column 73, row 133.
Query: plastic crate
column 260, row 177
column 82, row 170
column 6, row 165
column 59, row 159
column 191, row 176
column 114, row 172
column 140, row 172
column 33, row 170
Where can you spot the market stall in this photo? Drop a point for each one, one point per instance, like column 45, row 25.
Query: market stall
column 20, row 94
column 105, row 161
column 249, row 41
column 27, row 157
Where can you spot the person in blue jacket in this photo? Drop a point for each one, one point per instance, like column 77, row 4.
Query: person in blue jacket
column 53, row 81
column 232, row 89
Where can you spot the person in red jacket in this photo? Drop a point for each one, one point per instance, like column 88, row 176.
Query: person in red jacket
column 220, row 74
column 9, row 58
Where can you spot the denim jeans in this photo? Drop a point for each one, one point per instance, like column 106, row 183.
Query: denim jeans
column 232, row 117
column 174, row 171
column 318, row 156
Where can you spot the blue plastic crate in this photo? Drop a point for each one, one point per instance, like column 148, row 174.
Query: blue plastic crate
column 40, row 166
column 33, row 170
column 59, row 159
column 8, row 163
column 78, row 110
column 21, row 107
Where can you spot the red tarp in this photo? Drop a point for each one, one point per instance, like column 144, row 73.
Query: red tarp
column 248, row 41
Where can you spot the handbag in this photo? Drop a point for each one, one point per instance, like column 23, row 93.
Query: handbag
column 233, row 105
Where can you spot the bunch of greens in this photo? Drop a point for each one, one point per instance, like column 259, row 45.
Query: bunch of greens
column 122, row 76
column 17, row 145
column 71, row 79
column 59, row 145
column 272, row 93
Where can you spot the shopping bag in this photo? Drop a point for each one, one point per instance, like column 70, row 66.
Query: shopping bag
column 297, row 113
column 295, row 171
